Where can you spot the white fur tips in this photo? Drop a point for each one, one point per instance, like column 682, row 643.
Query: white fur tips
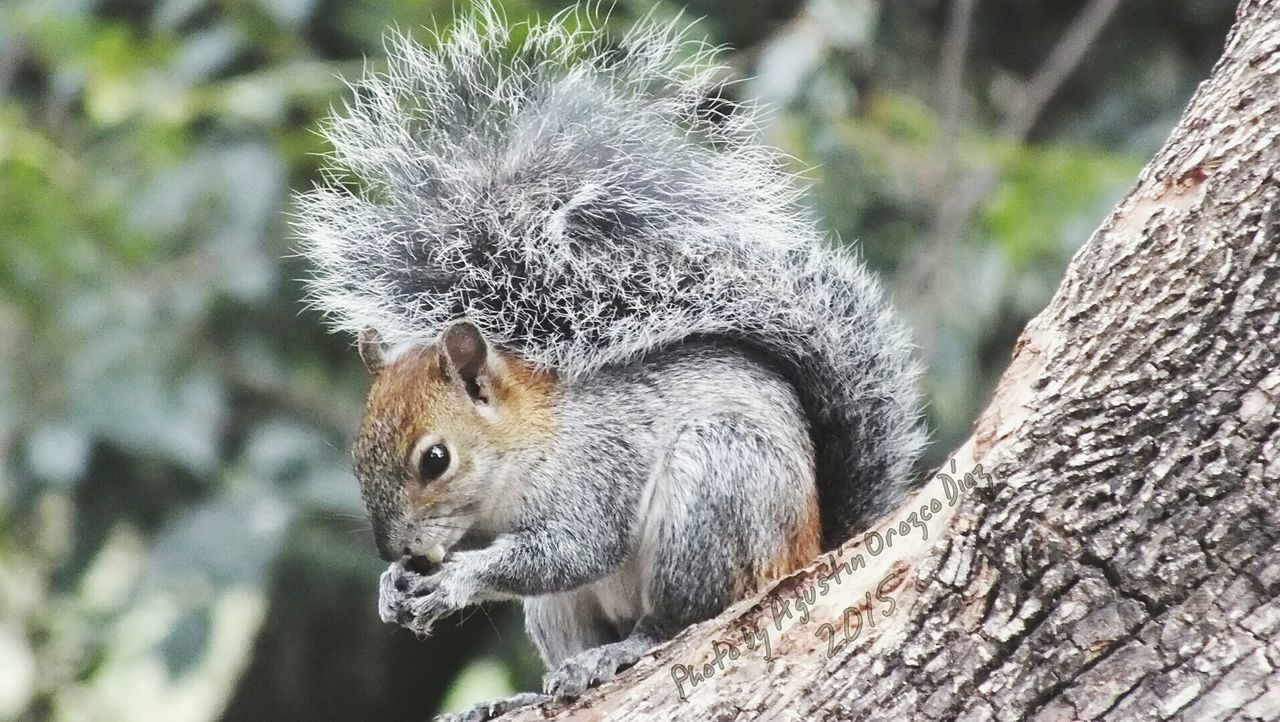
column 571, row 196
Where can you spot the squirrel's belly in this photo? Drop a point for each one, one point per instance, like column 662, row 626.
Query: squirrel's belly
column 621, row 598
column 601, row 612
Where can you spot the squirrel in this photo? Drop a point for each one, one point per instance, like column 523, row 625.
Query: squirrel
column 618, row 373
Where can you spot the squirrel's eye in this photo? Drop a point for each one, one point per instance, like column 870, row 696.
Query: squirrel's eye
column 435, row 461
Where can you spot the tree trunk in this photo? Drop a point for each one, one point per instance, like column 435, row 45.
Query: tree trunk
column 1105, row 545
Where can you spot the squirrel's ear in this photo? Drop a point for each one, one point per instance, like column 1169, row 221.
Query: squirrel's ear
column 467, row 354
column 369, row 344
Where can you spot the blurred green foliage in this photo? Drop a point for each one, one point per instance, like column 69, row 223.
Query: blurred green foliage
column 180, row 537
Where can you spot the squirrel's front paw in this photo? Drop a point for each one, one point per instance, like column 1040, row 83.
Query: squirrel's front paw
column 593, row 666
column 415, row 600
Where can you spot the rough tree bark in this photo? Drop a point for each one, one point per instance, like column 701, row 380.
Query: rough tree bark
column 1118, row 556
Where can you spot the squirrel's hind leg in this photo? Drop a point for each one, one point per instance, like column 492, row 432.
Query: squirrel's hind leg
column 736, row 507
column 597, row 665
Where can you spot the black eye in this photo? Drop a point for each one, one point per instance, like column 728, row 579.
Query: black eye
column 435, row 461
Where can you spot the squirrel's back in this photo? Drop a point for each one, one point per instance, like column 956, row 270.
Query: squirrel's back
column 585, row 204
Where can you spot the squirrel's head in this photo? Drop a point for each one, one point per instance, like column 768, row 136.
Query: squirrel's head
column 448, row 428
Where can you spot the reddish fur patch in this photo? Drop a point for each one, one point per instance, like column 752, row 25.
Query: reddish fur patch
column 802, row 548
column 415, row 395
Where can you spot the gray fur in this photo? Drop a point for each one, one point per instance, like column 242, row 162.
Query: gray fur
column 572, row 198
column 670, row 483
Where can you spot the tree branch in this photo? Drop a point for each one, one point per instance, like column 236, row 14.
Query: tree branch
column 1064, row 58
column 960, row 196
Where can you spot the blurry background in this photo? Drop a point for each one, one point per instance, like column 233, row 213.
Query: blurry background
column 180, row 536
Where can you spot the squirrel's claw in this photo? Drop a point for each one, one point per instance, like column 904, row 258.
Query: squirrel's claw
column 410, row 599
column 591, row 667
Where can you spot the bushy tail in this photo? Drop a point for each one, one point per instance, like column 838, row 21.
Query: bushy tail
column 584, row 203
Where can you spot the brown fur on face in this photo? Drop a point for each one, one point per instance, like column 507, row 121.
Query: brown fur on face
column 418, row 399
